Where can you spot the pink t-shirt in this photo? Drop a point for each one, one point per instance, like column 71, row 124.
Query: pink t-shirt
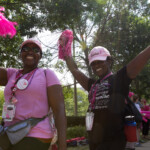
column 145, row 108
column 33, row 101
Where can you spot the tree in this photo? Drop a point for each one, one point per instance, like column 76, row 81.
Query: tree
column 121, row 26
column 9, row 52
column 82, row 101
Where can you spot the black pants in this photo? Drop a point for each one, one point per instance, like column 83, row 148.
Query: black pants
column 29, row 143
column 109, row 145
column 4, row 142
column 99, row 142
column 145, row 127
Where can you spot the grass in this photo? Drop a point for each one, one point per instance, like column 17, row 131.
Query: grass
column 79, row 148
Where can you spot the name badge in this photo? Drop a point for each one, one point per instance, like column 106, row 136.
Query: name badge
column 8, row 111
column 22, row 84
column 89, row 120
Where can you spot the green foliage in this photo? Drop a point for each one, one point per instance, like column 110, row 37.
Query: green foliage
column 1, row 101
column 82, row 101
column 9, row 52
column 75, row 121
column 69, row 103
column 141, row 84
column 76, row 131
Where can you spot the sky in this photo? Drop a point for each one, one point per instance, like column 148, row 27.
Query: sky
column 49, row 39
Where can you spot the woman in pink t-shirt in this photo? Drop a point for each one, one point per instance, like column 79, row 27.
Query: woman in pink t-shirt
column 145, row 125
column 30, row 92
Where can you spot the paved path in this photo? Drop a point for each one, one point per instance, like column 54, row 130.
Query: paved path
column 144, row 146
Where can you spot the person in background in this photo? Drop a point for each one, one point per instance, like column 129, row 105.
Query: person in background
column 131, row 95
column 135, row 100
column 105, row 123
column 145, row 124
column 31, row 92
column 140, row 104
column 130, row 145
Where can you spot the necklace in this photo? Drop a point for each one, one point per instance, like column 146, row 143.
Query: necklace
column 92, row 99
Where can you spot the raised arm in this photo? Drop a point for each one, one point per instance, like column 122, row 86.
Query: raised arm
column 3, row 77
column 78, row 75
column 137, row 64
column 56, row 101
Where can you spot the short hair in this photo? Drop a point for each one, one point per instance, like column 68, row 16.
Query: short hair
column 110, row 58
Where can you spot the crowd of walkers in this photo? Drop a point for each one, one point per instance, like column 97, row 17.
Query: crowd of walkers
column 142, row 128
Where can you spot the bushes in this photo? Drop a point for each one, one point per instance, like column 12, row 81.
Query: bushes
column 75, row 121
column 76, row 131
column 76, row 127
column 1, row 100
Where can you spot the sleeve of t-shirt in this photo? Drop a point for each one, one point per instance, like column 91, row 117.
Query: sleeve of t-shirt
column 51, row 78
column 123, row 81
column 10, row 71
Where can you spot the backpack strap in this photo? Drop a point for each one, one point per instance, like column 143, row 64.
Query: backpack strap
column 131, row 108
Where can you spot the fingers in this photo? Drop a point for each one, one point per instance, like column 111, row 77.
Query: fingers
column 63, row 41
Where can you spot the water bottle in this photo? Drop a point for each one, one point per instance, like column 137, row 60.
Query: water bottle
column 130, row 129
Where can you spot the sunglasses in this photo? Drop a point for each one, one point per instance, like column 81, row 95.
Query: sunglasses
column 33, row 49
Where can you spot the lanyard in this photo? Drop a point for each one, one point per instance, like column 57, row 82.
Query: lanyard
column 19, row 75
column 92, row 100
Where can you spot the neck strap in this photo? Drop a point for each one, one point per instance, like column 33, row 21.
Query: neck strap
column 92, row 100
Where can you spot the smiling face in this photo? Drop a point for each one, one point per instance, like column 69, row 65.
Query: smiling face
column 100, row 68
column 30, row 54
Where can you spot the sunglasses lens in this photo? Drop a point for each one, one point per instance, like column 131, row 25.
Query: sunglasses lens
column 33, row 49
column 25, row 49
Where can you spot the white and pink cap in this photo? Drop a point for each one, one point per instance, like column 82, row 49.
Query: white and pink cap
column 31, row 40
column 98, row 53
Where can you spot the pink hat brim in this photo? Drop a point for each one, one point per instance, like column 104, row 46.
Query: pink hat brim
column 101, row 58
column 31, row 41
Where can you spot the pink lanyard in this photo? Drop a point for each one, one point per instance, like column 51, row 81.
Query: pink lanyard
column 19, row 75
column 92, row 100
